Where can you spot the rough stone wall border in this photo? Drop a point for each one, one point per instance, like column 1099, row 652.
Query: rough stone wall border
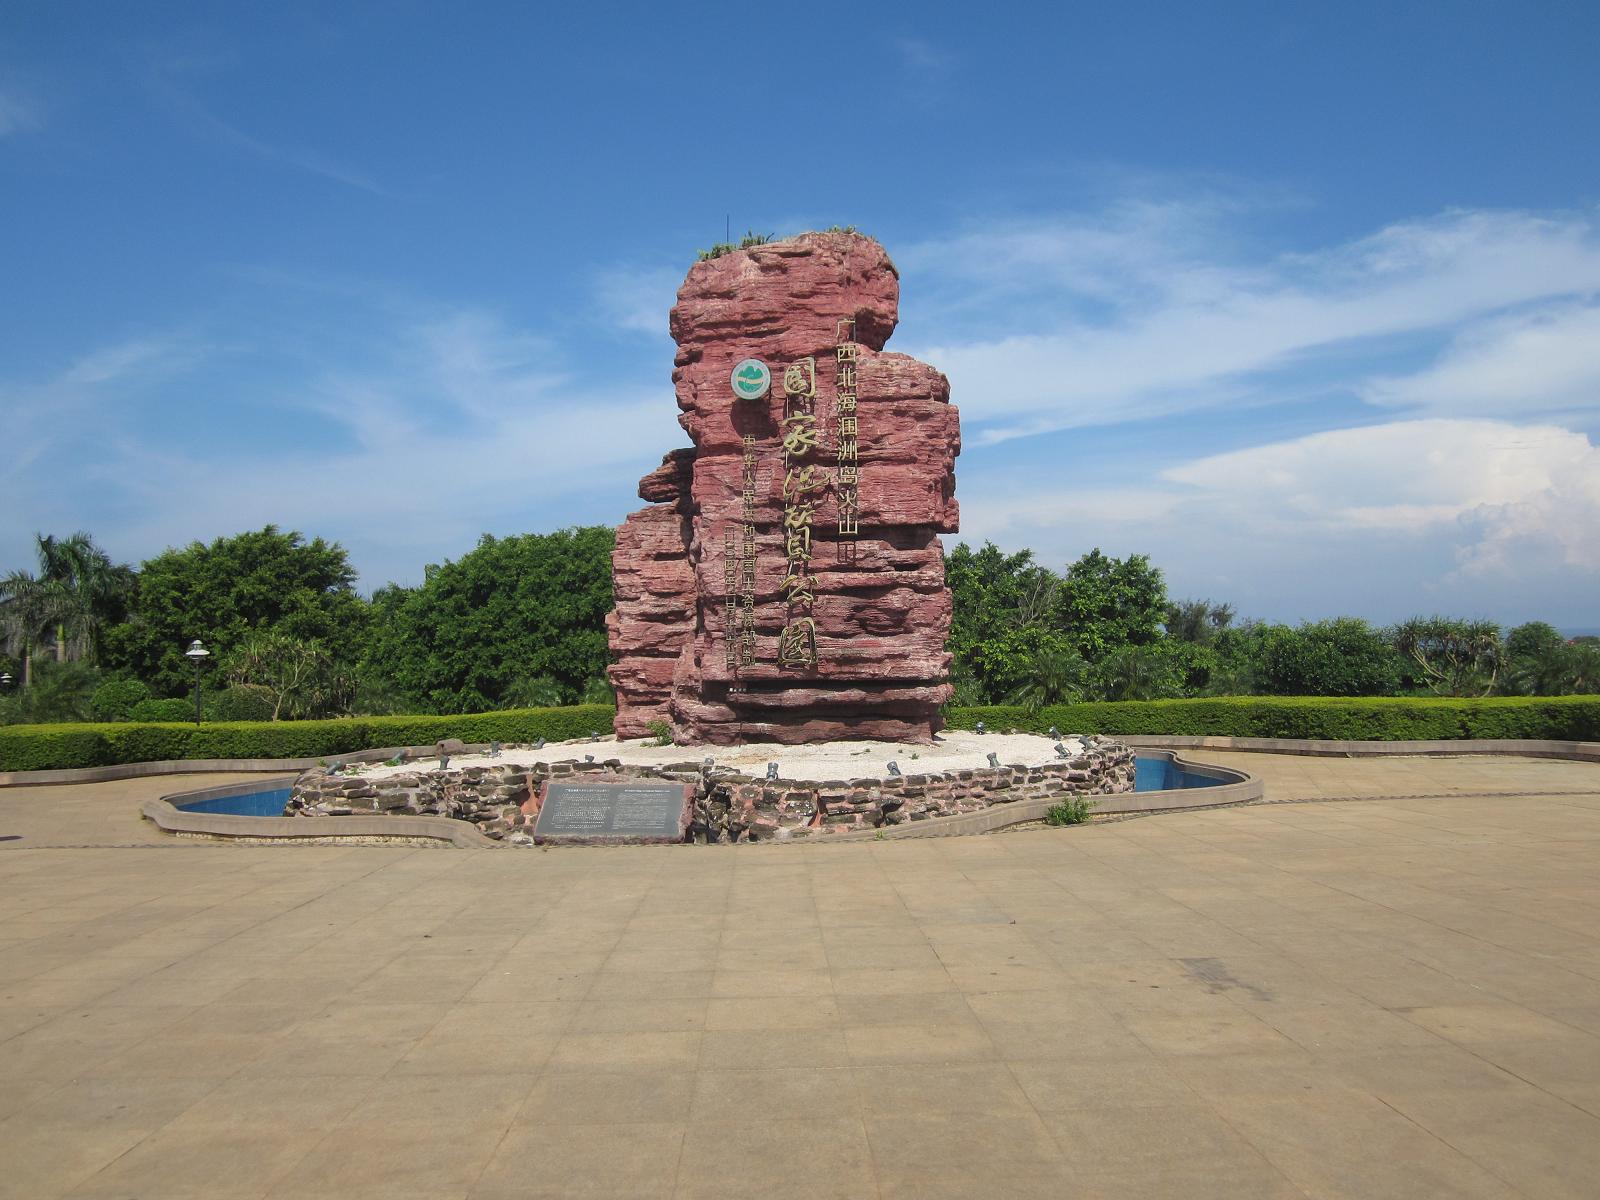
column 1242, row 788
column 166, row 816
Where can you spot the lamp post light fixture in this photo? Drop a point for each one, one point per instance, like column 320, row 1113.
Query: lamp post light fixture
column 5, row 680
column 197, row 654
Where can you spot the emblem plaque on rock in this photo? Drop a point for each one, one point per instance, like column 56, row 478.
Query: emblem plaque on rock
column 751, row 379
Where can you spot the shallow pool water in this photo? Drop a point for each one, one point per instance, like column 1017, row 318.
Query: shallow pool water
column 1163, row 775
column 247, row 804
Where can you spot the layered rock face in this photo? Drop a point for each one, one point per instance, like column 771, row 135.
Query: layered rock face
column 787, row 582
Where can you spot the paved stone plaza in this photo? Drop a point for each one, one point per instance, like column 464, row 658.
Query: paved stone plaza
column 1375, row 997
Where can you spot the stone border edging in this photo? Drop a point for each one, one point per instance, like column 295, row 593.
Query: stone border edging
column 167, row 817
column 1242, row 788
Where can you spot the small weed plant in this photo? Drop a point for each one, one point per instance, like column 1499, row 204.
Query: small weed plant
column 751, row 238
column 660, row 733
column 1074, row 810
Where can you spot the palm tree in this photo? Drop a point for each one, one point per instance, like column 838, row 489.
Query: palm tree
column 30, row 608
column 90, row 588
column 1053, row 677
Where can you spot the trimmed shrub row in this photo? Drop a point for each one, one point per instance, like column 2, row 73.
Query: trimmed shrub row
column 1315, row 718
column 59, row 747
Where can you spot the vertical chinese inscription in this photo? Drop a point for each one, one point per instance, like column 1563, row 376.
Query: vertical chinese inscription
column 847, row 478
column 745, row 653
column 730, row 590
column 803, row 482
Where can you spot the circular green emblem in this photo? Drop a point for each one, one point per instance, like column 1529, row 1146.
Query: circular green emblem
column 751, row 379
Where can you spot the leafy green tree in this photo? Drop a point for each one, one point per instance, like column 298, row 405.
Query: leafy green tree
column 539, row 692
column 1540, row 662
column 1197, row 621
column 512, row 609
column 1533, row 639
column 1342, row 657
column 1452, row 657
column 1105, row 603
column 264, row 580
column 1153, row 671
column 60, row 691
column 303, row 678
column 995, row 596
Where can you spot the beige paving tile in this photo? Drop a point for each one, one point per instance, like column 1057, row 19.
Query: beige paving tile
column 640, row 1051
column 768, row 1048
column 933, row 1088
column 786, row 1094
column 609, row 1097
column 795, row 1158
column 1382, row 998
column 881, row 1045
column 611, row 1160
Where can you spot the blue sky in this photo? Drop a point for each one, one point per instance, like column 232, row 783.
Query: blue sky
column 1302, row 301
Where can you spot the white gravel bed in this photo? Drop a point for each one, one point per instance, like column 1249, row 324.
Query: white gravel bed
column 953, row 750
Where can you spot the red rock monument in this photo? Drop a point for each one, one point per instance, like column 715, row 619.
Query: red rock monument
column 786, row 582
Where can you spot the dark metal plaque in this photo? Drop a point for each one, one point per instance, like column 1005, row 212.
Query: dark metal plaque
column 634, row 811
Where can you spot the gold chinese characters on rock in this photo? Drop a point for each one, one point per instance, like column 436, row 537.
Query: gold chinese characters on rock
column 739, row 571
column 804, row 482
column 806, row 459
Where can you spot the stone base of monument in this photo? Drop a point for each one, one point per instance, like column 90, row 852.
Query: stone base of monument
column 644, row 793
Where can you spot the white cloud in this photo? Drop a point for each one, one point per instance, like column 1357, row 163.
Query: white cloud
column 460, row 424
column 1382, row 520
column 1543, row 361
column 1138, row 314
column 638, row 299
column 1413, row 477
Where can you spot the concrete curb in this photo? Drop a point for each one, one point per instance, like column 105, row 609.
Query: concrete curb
column 1241, row 788
column 1523, row 747
column 320, row 830
column 207, row 766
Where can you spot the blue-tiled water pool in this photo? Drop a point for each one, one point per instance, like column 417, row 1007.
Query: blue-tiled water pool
column 249, row 804
column 1162, row 775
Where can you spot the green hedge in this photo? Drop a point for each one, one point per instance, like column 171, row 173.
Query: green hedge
column 1315, row 718
column 56, row 747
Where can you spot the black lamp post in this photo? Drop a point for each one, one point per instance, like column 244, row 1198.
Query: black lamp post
column 197, row 654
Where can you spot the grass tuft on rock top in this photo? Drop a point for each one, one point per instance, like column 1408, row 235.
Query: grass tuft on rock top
column 1316, row 718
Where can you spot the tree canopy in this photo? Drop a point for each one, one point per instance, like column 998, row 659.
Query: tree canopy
column 222, row 592
column 483, row 629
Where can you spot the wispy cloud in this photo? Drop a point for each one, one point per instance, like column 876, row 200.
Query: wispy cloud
column 1543, row 361
column 919, row 54
column 19, row 113
column 1136, row 314
column 638, row 299
column 169, row 75
column 432, row 426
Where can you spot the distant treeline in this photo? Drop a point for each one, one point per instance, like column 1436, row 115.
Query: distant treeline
column 520, row 622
